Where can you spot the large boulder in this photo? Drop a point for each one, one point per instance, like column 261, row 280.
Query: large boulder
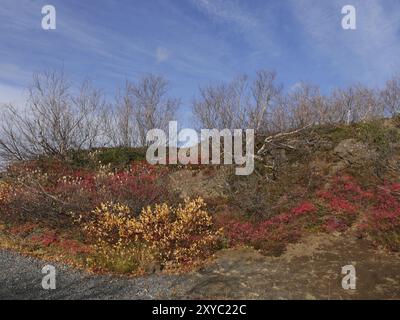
column 353, row 153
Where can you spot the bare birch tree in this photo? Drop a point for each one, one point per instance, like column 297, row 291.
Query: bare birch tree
column 354, row 104
column 390, row 96
column 140, row 107
column 152, row 107
column 306, row 106
column 53, row 121
column 222, row 106
column 237, row 104
column 265, row 93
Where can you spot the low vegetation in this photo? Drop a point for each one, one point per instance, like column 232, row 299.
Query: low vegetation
column 161, row 236
column 127, row 217
column 77, row 187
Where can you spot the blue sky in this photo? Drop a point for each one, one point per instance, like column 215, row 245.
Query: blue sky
column 194, row 42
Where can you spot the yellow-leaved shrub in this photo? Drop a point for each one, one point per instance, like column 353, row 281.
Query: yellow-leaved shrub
column 5, row 192
column 173, row 236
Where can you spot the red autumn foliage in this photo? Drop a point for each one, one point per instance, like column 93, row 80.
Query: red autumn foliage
column 51, row 238
column 80, row 191
column 334, row 224
column 303, row 208
column 334, row 209
column 23, row 229
column 73, row 247
column 46, row 239
column 341, row 205
column 382, row 221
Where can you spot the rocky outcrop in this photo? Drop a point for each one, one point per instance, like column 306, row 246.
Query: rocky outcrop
column 352, row 153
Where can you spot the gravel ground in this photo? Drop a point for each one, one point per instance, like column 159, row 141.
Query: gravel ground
column 21, row 278
column 308, row 270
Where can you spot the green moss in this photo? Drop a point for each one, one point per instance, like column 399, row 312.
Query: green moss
column 374, row 133
column 121, row 156
column 338, row 133
column 377, row 135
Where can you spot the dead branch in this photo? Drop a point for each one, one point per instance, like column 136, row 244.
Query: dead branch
column 44, row 192
column 270, row 139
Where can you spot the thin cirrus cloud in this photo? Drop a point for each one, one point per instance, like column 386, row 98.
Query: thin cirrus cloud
column 196, row 42
column 12, row 95
column 227, row 11
column 368, row 54
column 11, row 78
column 241, row 19
column 162, row 54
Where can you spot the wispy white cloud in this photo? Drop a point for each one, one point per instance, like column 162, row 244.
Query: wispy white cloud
column 219, row 38
column 368, row 54
column 256, row 28
column 162, row 54
column 12, row 95
column 226, row 11
column 114, row 48
column 13, row 73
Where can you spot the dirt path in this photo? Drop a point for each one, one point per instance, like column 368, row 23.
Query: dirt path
column 310, row 270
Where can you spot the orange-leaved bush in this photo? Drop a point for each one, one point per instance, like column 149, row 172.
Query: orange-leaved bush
column 6, row 196
column 5, row 193
column 174, row 236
